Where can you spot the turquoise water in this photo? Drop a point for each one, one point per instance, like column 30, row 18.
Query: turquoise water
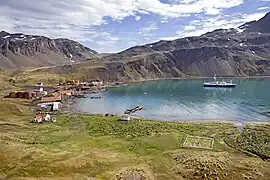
column 182, row 100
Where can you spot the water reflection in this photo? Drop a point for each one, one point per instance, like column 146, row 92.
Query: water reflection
column 186, row 100
column 218, row 89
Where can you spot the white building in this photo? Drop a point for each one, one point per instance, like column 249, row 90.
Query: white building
column 47, row 117
column 39, row 90
column 56, row 106
column 97, row 83
column 40, row 84
column 125, row 117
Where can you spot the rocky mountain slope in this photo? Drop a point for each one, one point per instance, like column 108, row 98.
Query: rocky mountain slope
column 242, row 51
column 20, row 50
column 258, row 26
column 225, row 52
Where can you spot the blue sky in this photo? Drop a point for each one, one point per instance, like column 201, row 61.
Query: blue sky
column 114, row 25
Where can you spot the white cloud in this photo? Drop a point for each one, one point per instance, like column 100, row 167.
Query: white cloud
column 116, row 46
column 108, row 36
column 176, row 10
column 164, row 20
column 106, row 43
column 251, row 17
column 137, row 18
column 188, row 1
column 44, row 15
column 169, row 38
column 209, row 24
column 199, row 27
column 189, row 27
column 5, row 22
column 262, row 8
column 212, row 11
column 81, row 19
column 148, row 30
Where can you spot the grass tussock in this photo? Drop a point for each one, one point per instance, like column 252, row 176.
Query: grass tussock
column 94, row 146
column 101, row 147
column 254, row 139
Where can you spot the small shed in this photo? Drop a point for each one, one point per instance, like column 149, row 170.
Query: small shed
column 52, row 106
column 20, row 95
column 50, row 99
column 125, row 117
column 66, row 92
column 39, row 84
column 96, row 83
column 55, row 106
column 39, row 89
column 13, row 94
column 23, row 94
column 38, row 118
column 53, row 119
column 47, row 117
column 76, row 82
column 73, row 82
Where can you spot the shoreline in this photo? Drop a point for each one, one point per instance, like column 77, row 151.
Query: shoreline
column 199, row 77
column 72, row 101
column 124, row 83
column 74, row 110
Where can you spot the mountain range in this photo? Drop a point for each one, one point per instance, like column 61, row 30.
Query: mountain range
column 241, row 51
column 20, row 50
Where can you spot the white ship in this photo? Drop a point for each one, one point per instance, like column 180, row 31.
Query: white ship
column 219, row 83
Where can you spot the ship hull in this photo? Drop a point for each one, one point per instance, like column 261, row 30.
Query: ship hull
column 219, row 85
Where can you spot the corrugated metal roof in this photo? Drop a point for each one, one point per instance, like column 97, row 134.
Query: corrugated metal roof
column 65, row 91
column 50, row 99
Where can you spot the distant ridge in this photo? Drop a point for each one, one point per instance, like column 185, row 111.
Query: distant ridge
column 241, row 51
column 21, row 50
column 262, row 25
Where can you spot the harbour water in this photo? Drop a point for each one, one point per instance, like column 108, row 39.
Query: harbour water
column 183, row 100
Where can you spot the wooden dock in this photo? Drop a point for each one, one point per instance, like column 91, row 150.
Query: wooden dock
column 133, row 110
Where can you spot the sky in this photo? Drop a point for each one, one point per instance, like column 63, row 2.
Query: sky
column 115, row 25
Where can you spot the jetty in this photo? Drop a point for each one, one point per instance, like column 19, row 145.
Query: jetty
column 133, row 110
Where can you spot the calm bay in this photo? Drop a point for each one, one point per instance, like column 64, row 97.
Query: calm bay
column 183, row 100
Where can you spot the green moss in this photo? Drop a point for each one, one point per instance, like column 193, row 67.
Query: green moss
column 253, row 140
column 96, row 146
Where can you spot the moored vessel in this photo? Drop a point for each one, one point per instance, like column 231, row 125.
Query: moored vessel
column 219, row 83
